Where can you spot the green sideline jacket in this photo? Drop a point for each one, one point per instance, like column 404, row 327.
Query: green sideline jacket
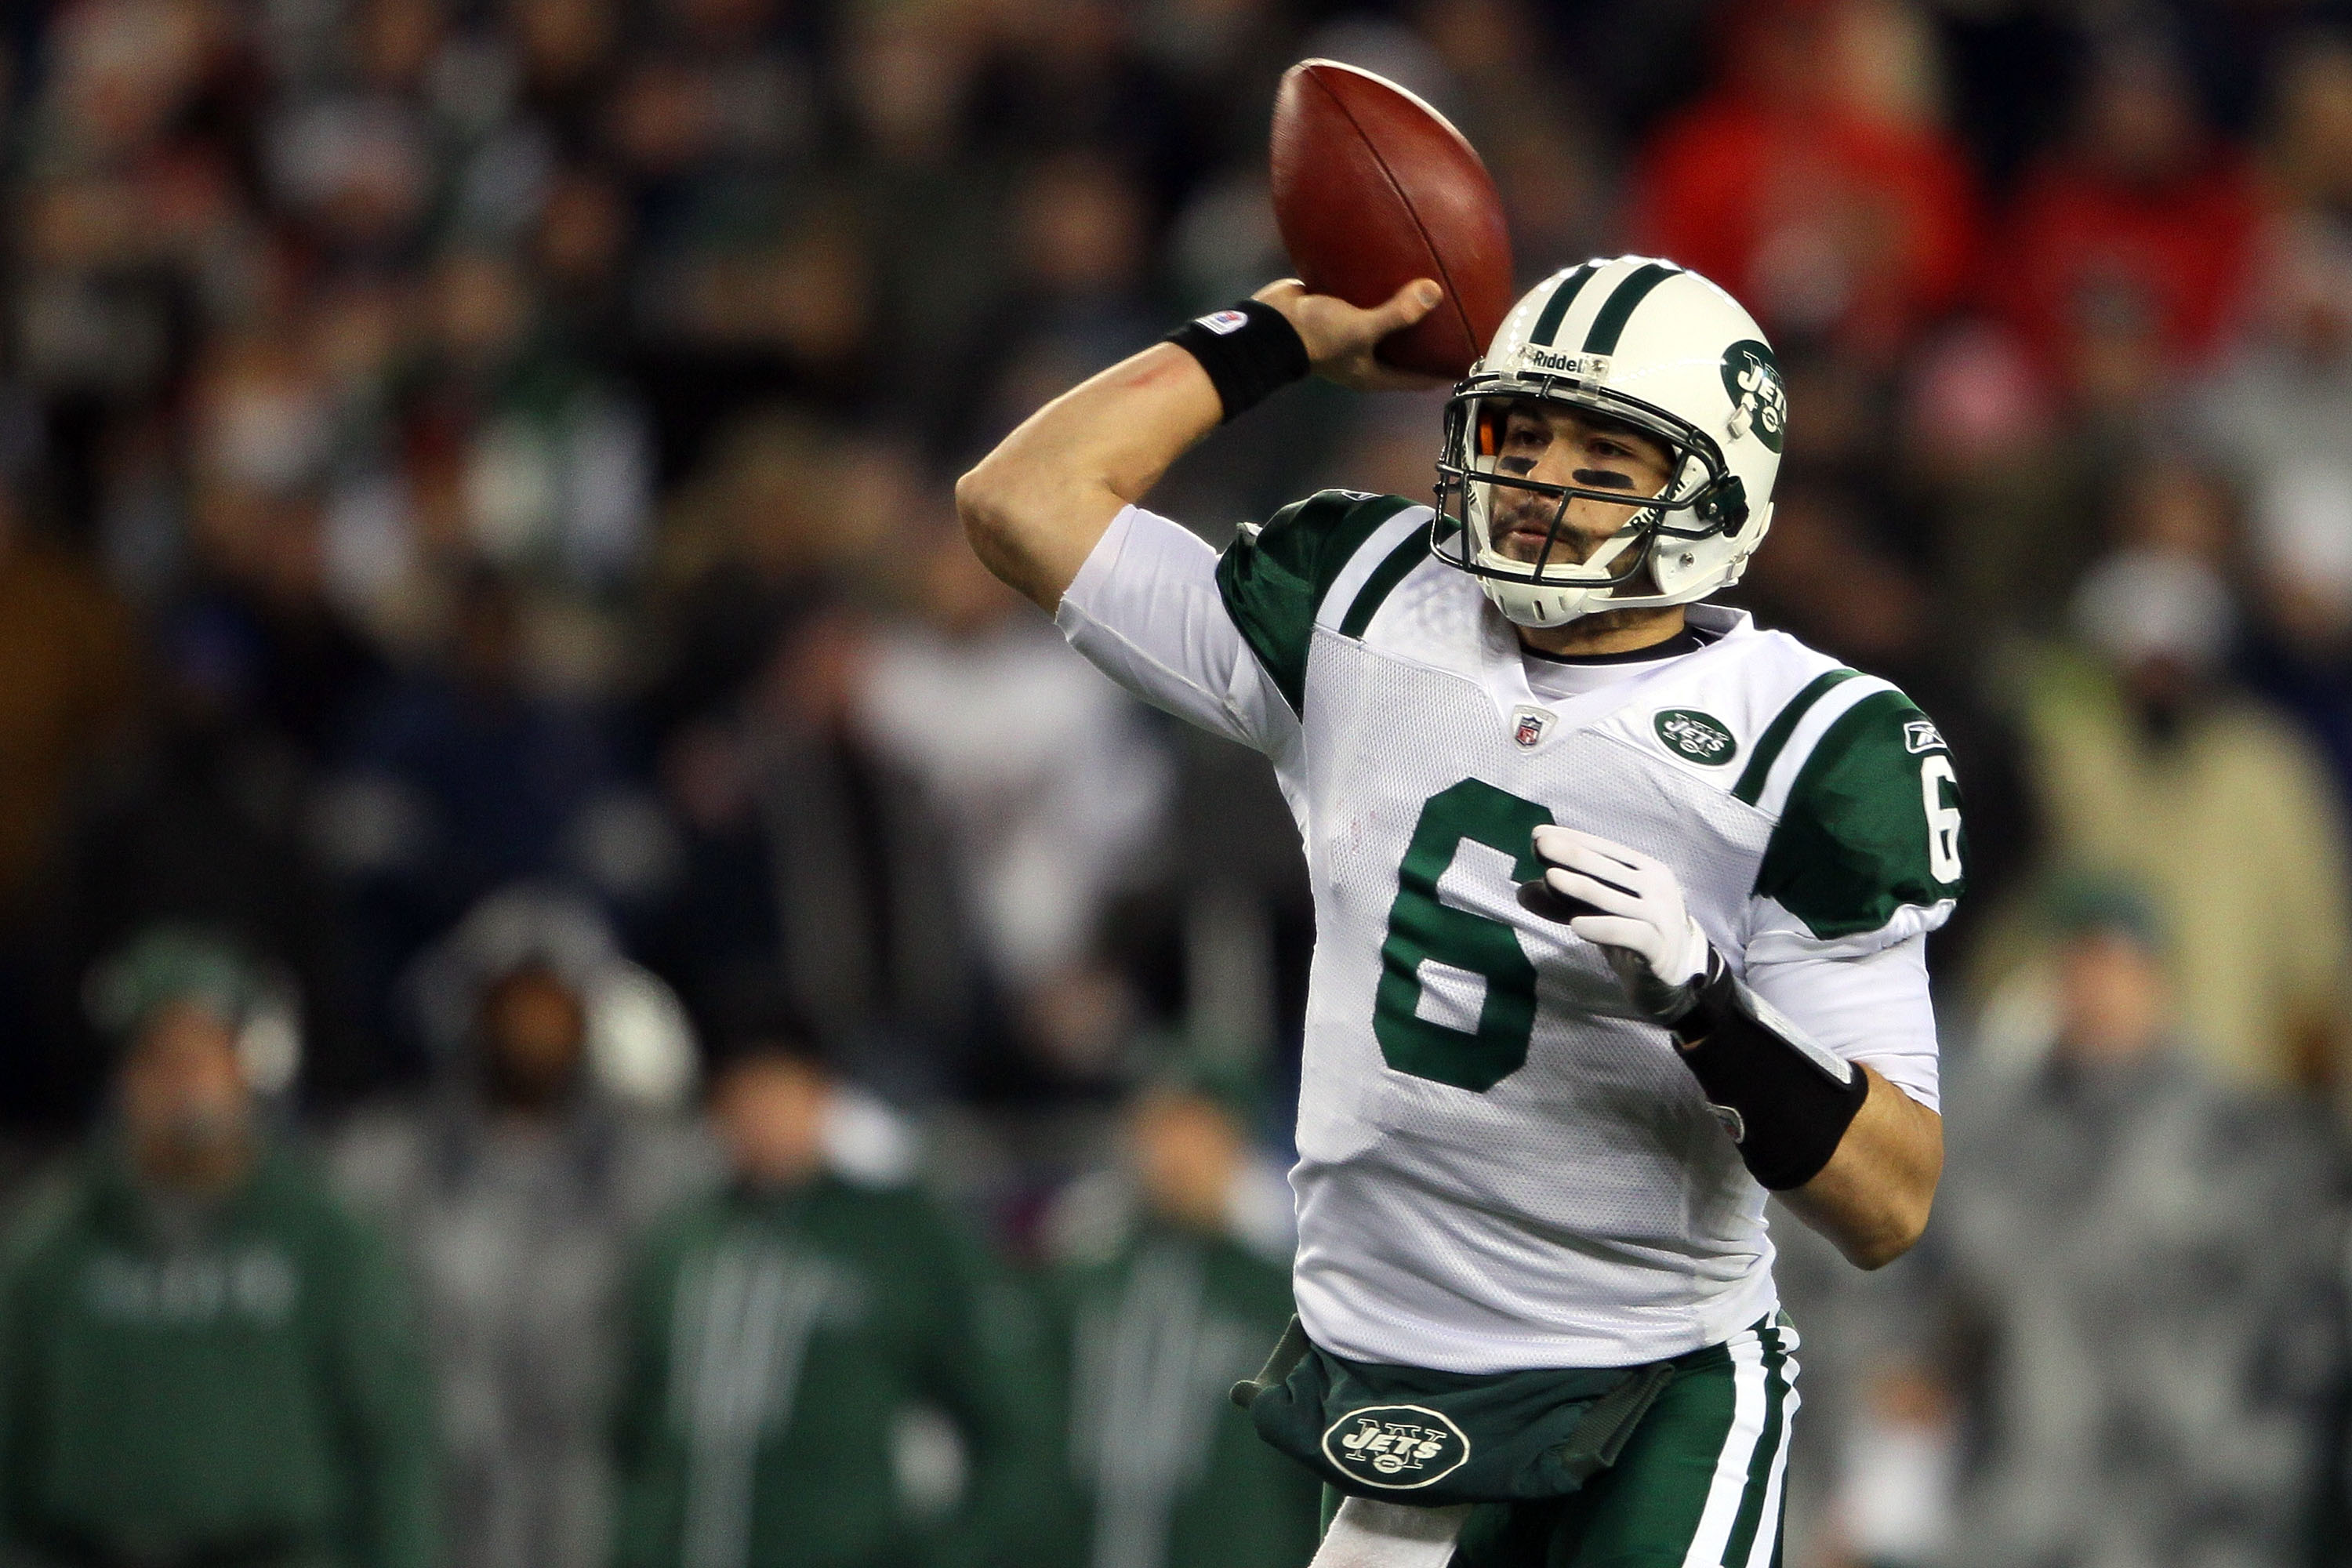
column 241, row 1385
column 778, row 1342
column 1162, row 1467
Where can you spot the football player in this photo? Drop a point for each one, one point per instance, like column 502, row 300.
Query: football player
column 1621, row 902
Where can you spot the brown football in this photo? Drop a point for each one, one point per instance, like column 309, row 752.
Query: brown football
column 1372, row 188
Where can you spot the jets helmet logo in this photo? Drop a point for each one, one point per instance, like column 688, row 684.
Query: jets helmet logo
column 1398, row 1447
column 1759, row 402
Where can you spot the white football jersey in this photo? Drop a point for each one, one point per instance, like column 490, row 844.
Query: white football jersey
column 1501, row 1164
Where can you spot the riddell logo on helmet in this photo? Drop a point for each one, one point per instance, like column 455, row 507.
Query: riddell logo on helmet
column 1587, row 367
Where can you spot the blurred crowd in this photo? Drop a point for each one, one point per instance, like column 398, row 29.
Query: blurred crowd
column 579, row 986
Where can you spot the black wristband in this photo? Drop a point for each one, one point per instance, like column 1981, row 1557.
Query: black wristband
column 1250, row 351
column 1785, row 1100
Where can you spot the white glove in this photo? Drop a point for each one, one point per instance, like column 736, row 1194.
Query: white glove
column 1630, row 907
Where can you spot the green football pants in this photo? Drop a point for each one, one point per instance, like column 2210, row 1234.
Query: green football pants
column 1698, row 1484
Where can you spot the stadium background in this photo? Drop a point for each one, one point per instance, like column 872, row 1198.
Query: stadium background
column 476, row 500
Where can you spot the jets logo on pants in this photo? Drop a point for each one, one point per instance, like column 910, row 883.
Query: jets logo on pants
column 1396, row 1446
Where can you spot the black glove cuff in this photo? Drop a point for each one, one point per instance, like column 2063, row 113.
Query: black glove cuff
column 1785, row 1100
column 1250, row 351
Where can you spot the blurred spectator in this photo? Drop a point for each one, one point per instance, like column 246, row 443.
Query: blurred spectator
column 259, row 579
column 1871, row 1484
column 1173, row 1283
column 202, row 819
column 2278, row 404
column 1067, row 74
column 1053, row 787
column 461, row 778
column 2129, row 249
column 811, row 858
column 2300, row 653
column 2273, row 421
column 68, row 648
column 518, row 1185
column 580, row 245
column 1995, row 473
column 131, row 193
column 2310, row 140
column 821, row 1367
column 906, row 79
column 1077, row 289
column 1813, row 182
column 208, row 1360
column 552, row 464
column 757, row 535
column 2147, row 764
column 566, row 50
column 71, row 651
column 2158, row 1337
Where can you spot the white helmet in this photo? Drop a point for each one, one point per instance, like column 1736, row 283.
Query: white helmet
column 1666, row 352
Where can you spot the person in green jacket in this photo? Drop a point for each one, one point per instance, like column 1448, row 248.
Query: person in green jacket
column 204, row 1361
column 1171, row 1277
column 785, row 1333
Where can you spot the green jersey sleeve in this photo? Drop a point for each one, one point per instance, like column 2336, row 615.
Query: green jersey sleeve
column 1274, row 578
column 1871, row 827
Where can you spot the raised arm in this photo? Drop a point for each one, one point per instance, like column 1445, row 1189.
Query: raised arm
column 1035, row 507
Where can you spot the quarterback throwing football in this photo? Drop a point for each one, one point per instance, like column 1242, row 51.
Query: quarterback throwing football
column 1621, row 902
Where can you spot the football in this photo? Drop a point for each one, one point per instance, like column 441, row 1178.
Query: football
column 1373, row 189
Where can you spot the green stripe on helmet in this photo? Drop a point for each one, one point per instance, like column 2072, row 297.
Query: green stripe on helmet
column 1610, row 324
column 1556, row 309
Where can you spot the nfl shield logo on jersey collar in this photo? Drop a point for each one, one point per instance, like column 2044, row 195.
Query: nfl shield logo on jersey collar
column 1530, row 725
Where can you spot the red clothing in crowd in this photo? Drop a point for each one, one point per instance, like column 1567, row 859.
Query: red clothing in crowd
column 2086, row 252
column 1819, row 218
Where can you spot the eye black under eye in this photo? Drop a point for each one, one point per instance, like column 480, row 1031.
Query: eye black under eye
column 1603, row 479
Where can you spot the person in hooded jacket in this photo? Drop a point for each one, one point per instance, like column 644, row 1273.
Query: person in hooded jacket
column 517, row 1186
